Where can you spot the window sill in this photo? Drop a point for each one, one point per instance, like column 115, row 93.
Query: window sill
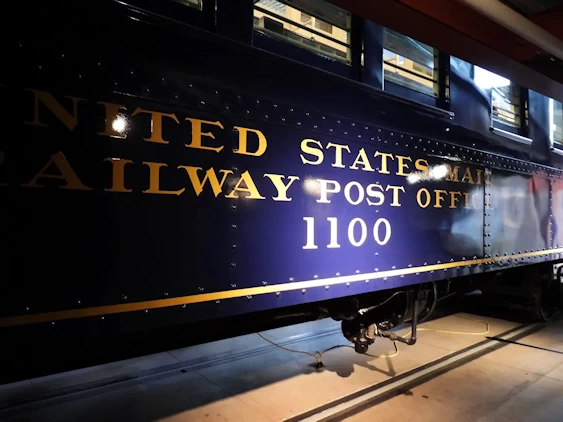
column 512, row 136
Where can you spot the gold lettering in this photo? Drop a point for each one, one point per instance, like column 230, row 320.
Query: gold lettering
column 338, row 153
column 422, row 165
column 154, row 180
column 487, row 177
column 468, row 176
column 156, row 124
column 277, row 180
column 248, row 187
column 66, row 173
column 118, row 175
column 473, row 197
column 69, row 120
column 197, row 134
column 313, row 151
column 419, row 197
column 454, row 199
column 362, row 158
column 395, row 190
column 384, row 157
column 402, row 165
column 439, row 198
column 243, row 141
column 210, row 175
column 112, row 113
column 453, row 175
column 488, row 204
column 466, row 199
column 479, row 173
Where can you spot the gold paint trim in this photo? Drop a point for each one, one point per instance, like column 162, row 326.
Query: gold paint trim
column 250, row 291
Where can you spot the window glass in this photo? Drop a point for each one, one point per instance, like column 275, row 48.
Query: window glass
column 409, row 63
column 311, row 24
column 556, row 120
column 505, row 96
column 196, row 4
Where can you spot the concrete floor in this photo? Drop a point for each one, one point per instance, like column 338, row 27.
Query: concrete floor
column 515, row 382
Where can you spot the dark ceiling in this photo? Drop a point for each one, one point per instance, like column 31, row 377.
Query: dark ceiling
column 531, row 8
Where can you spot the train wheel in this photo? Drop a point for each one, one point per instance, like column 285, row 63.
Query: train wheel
column 546, row 299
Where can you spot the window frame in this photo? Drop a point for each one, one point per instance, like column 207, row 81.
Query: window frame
column 311, row 56
column 403, row 89
column 555, row 144
column 202, row 18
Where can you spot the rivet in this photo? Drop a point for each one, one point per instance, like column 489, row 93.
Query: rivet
column 233, row 285
column 393, row 267
column 291, row 279
column 102, row 318
column 410, row 265
column 278, row 293
column 249, row 297
column 27, row 308
column 347, row 284
column 316, row 276
column 146, row 311
column 303, row 291
column 184, row 306
column 234, row 207
column 234, row 246
column 217, row 301
column 377, row 254
column 264, row 283
column 201, row 289
column 327, row 287
column 79, row 302
column 384, row 278
column 124, row 297
column 233, row 264
column 377, row 269
column 165, row 293
column 367, row 281
column 357, row 271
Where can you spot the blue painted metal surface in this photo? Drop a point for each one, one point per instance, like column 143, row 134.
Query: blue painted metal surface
column 424, row 187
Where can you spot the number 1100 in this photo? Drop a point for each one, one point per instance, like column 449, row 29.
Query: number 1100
column 357, row 232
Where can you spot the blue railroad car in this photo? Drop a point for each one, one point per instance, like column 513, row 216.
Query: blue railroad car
column 188, row 165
